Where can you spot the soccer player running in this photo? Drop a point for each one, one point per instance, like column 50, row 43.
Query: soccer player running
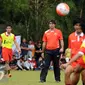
column 7, row 39
column 80, row 63
column 52, row 50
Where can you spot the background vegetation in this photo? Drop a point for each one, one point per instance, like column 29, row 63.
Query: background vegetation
column 29, row 18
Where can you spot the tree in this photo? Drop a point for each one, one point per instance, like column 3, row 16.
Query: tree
column 30, row 17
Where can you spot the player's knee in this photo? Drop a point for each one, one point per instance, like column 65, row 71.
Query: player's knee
column 68, row 72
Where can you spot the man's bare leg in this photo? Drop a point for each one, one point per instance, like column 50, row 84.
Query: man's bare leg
column 76, row 75
column 68, row 73
column 77, row 72
column 75, row 78
column 83, row 76
column 7, row 68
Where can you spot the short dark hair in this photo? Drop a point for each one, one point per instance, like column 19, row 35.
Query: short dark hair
column 22, row 58
column 82, row 24
column 8, row 25
column 52, row 21
column 76, row 21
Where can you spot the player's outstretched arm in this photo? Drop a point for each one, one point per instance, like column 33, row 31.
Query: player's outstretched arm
column 78, row 55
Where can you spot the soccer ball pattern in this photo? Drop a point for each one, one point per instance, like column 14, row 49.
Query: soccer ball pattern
column 62, row 9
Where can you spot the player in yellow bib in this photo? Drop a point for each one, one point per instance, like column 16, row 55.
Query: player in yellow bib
column 7, row 39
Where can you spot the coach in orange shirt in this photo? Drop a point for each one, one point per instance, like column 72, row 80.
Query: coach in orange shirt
column 52, row 49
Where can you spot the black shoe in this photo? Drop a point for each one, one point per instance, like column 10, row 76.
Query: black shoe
column 42, row 81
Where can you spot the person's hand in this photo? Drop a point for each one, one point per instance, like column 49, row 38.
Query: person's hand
column 40, row 59
column 63, row 66
column 19, row 51
column 61, row 50
column 42, row 55
column 37, row 51
column 28, row 49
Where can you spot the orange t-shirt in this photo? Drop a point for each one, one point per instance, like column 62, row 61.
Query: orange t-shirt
column 74, row 42
column 52, row 38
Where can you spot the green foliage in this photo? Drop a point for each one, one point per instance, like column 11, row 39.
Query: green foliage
column 30, row 17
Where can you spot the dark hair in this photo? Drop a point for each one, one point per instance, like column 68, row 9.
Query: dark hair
column 8, row 25
column 22, row 58
column 76, row 21
column 52, row 21
column 82, row 24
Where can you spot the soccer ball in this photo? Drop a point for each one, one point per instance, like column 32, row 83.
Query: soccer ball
column 62, row 9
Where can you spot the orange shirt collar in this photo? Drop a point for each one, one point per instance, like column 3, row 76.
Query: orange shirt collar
column 82, row 34
column 52, row 30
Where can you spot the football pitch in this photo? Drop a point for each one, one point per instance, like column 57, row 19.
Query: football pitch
column 32, row 78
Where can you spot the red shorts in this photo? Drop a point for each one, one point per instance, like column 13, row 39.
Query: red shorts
column 74, row 64
column 7, row 54
column 82, row 63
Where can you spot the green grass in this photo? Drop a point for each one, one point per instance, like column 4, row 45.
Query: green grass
column 32, row 78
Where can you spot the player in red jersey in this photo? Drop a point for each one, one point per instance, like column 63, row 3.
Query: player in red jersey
column 80, row 62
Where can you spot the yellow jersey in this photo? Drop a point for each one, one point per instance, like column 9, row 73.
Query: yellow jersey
column 7, row 40
column 68, row 52
column 83, row 46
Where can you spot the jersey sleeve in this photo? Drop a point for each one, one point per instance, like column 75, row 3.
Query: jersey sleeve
column 60, row 35
column 82, row 48
column 69, row 42
column 44, row 38
column 0, row 37
column 14, row 37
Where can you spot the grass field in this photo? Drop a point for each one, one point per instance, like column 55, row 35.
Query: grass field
column 32, row 78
